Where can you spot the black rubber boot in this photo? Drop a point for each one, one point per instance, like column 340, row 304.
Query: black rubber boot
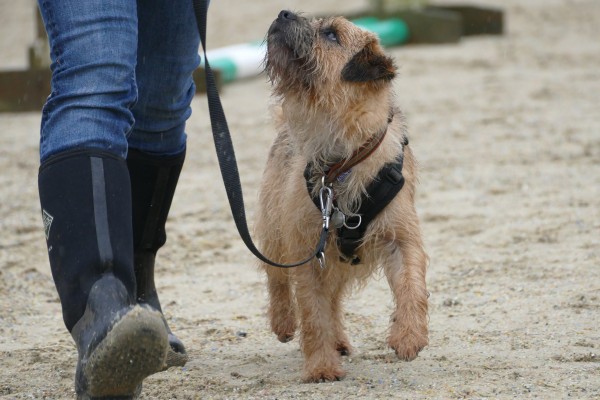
column 86, row 207
column 119, row 344
column 153, row 182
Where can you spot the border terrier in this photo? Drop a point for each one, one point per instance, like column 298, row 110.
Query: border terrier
column 332, row 88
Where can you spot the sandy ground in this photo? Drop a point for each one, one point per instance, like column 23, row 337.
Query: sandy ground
column 507, row 131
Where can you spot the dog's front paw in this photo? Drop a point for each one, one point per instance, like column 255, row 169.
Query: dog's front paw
column 283, row 325
column 407, row 345
column 285, row 337
column 285, row 329
column 323, row 366
column 327, row 374
column 344, row 348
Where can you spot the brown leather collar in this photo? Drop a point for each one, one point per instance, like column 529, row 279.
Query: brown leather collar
column 359, row 155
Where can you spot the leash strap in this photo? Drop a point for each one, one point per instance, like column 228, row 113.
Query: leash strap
column 226, row 155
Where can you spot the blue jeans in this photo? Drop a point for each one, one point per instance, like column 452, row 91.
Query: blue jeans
column 121, row 75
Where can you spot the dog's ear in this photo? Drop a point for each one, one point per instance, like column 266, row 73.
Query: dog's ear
column 369, row 64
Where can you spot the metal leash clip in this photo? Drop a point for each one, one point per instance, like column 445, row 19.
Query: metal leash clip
column 321, row 258
column 326, row 203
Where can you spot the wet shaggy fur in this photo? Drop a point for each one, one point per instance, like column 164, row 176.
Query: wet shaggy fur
column 332, row 86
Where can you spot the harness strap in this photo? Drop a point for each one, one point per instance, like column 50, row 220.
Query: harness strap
column 357, row 157
column 380, row 192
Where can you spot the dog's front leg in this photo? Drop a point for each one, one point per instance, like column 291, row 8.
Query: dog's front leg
column 314, row 294
column 282, row 310
column 405, row 271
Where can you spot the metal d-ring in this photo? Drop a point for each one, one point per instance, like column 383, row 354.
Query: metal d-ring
column 352, row 227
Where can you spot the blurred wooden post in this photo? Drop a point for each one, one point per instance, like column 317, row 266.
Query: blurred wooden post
column 39, row 51
column 433, row 24
column 478, row 20
column 425, row 25
column 377, row 6
column 27, row 90
column 381, row 7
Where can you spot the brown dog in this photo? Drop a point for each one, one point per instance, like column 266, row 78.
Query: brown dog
column 333, row 86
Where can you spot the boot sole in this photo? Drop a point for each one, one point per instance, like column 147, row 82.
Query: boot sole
column 135, row 348
column 175, row 359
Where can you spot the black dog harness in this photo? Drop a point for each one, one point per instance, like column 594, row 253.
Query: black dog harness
column 380, row 192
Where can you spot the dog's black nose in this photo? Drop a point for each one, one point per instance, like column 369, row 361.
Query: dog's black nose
column 285, row 15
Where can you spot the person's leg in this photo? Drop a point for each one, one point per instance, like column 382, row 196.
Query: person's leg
column 86, row 205
column 85, row 194
column 153, row 183
column 167, row 56
column 93, row 47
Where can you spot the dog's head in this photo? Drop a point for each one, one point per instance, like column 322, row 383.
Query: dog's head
column 326, row 61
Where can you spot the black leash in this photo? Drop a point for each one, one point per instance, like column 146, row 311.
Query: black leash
column 228, row 163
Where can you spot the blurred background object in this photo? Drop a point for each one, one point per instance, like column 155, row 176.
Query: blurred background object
column 396, row 22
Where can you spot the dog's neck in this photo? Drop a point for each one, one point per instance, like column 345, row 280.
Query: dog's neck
column 359, row 155
column 325, row 138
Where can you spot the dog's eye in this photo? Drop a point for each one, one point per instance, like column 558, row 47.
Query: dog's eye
column 330, row 35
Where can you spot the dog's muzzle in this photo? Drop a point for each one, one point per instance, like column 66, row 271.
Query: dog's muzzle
column 293, row 32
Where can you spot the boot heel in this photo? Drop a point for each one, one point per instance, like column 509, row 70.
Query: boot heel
column 133, row 349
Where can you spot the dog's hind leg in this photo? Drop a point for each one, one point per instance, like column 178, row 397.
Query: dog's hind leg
column 322, row 360
column 405, row 271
